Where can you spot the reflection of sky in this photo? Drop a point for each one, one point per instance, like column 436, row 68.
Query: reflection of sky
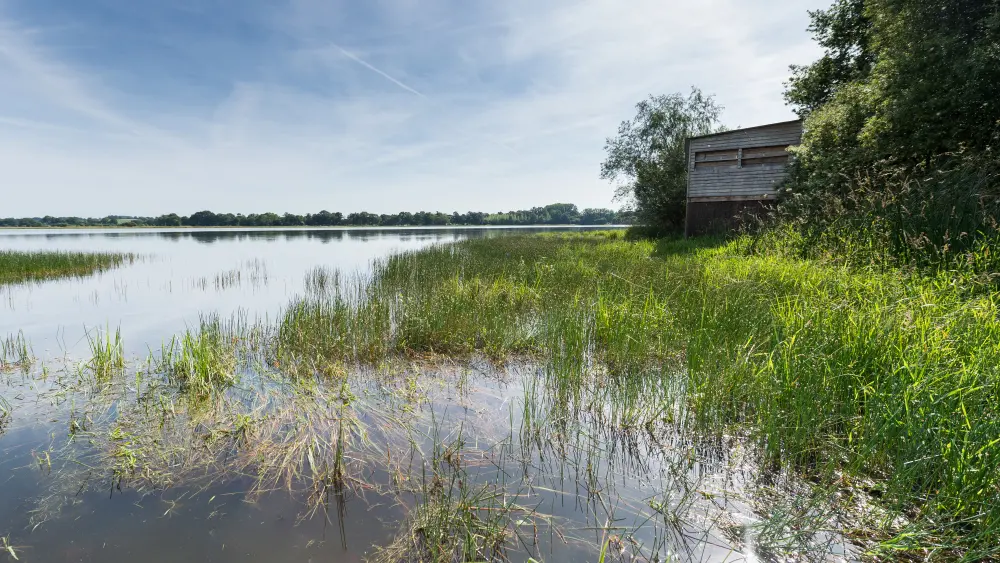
column 175, row 281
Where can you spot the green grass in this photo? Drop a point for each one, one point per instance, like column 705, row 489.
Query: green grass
column 107, row 353
column 201, row 360
column 15, row 353
column 883, row 382
column 880, row 387
column 18, row 267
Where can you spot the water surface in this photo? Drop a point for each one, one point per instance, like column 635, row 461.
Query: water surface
column 567, row 482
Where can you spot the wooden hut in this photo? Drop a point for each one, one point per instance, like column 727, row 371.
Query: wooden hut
column 736, row 172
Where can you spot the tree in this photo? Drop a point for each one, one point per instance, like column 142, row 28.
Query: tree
column 647, row 159
column 202, row 219
column 844, row 32
column 169, row 220
column 902, row 120
column 900, row 80
column 597, row 217
column 562, row 214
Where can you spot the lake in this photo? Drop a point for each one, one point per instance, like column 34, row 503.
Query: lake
column 351, row 463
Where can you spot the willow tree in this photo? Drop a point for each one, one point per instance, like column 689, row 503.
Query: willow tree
column 647, row 162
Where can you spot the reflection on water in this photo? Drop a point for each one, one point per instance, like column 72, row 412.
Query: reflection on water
column 183, row 274
column 384, row 463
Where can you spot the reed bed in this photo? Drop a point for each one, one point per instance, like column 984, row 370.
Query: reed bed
column 866, row 402
column 883, row 382
column 18, row 267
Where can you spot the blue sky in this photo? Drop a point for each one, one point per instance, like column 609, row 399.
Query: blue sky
column 155, row 106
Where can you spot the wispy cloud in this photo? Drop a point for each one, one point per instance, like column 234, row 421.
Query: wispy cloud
column 437, row 105
column 385, row 75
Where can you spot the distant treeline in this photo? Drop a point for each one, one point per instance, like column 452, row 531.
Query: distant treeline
column 555, row 214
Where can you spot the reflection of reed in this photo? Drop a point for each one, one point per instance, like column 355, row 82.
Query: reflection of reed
column 469, row 457
column 254, row 271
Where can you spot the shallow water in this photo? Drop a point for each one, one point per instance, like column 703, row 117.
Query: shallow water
column 566, row 482
column 184, row 273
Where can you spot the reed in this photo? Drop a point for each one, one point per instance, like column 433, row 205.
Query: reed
column 107, row 353
column 880, row 386
column 18, row 267
column 886, row 377
column 15, row 353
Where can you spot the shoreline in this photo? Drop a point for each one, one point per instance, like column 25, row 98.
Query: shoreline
column 311, row 228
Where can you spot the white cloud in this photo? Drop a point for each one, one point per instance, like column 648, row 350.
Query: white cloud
column 504, row 106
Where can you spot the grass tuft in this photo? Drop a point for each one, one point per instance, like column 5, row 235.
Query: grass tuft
column 18, row 267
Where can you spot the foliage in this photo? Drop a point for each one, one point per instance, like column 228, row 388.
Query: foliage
column 648, row 161
column 843, row 31
column 902, row 118
column 554, row 214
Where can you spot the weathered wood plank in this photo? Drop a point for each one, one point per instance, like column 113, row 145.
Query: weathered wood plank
column 738, row 183
column 765, row 152
column 714, row 175
column 705, row 156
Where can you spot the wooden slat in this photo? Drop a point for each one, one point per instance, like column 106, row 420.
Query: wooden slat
column 759, row 184
column 756, row 185
column 760, row 162
column 735, row 143
column 704, row 199
column 722, row 174
column 715, row 171
column 788, row 131
column 753, row 194
column 759, row 139
column 765, row 152
column 714, row 164
column 709, row 156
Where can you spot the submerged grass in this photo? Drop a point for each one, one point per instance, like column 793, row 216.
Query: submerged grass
column 880, row 388
column 107, row 354
column 21, row 267
column 886, row 383
column 15, row 353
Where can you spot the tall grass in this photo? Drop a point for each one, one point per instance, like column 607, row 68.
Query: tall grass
column 15, row 353
column 21, row 267
column 107, row 353
column 881, row 386
column 884, row 381
column 201, row 360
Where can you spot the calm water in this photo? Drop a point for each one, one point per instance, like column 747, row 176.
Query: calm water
column 649, row 496
column 184, row 273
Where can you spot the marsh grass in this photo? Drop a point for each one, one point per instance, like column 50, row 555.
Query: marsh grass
column 879, row 389
column 848, row 375
column 201, row 360
column 18, row 267
column 107, row 353
column 454, row 519
column 15, row 353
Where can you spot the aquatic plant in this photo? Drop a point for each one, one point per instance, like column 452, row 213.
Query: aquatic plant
column 876, row 386
column 201, row 360
column 15, row 353
column 28, row 266
column 107, row 353
column 830, row 370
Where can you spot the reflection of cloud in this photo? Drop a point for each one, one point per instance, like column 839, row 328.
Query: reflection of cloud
column 380, row 106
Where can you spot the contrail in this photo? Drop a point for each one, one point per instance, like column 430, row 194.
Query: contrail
column 361, row 62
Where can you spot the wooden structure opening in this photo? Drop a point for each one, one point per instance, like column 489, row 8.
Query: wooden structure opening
column 733, row 172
